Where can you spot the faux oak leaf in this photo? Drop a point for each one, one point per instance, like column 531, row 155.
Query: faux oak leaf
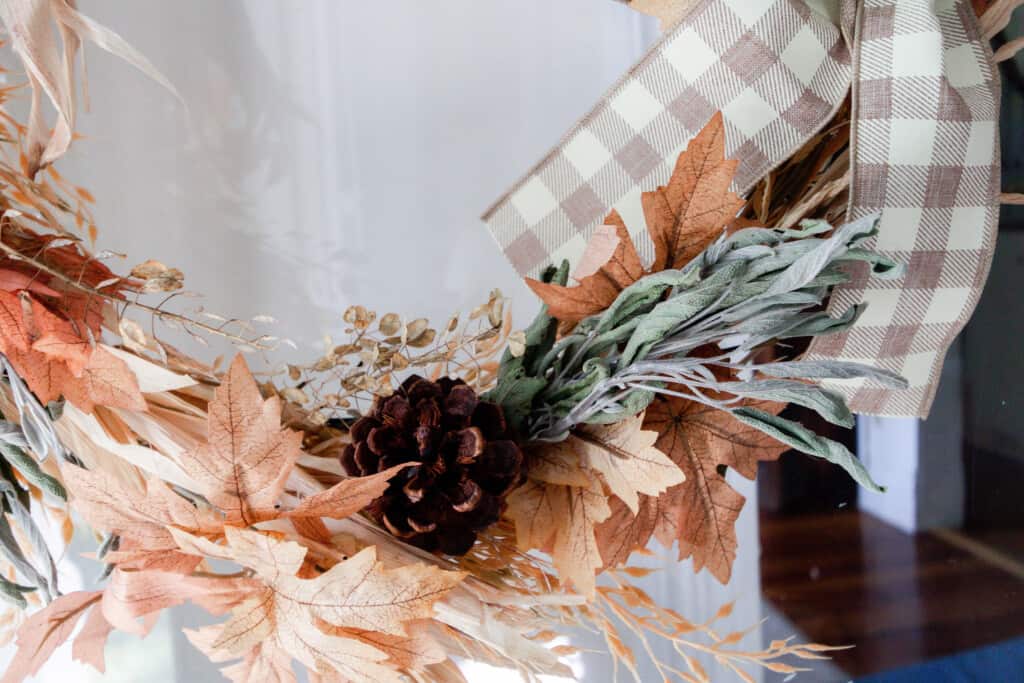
column 303, row 616
column 683, row 217
column 243, row 466
column 49, row 628
column 701, row 512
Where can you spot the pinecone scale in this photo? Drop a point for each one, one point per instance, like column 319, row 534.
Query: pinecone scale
column 466, row 462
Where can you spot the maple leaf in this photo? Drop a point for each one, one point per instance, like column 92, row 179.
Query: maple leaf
column 596, row 291
column 48, row 629
column 307, row 617
column 140, row 519
column 683, row 217
column 13, row 334
column 561, row 520
column 247, row 458
column 264, row 662
column 57, row 339
column 691, row 211
column 131, row 594
column 347, row 497
column 625, row 456
column 107, row 381
column 701, row 512
column 90, row 642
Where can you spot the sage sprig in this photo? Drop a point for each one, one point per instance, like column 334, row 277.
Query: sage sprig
column 747, row 291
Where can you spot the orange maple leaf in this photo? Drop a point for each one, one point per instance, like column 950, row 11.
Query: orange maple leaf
column 683, row 218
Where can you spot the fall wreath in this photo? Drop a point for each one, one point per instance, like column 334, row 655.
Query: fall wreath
column 418, row 494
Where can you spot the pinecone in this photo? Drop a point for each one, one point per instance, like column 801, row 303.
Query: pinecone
column 466, row 461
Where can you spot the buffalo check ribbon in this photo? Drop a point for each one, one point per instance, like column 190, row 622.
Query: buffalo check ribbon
column 924, row 150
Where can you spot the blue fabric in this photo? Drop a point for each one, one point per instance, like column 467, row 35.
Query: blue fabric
column 1002, row 663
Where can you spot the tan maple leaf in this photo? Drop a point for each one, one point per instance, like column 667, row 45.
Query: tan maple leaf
column 701, row 512
column 307, row 617
column 625, row 456
column 560, row 520
column 49, row 628
column 243, row 466
column 347, row 497
column 140, row 518
column 683, row 217
column 563, row 510
column 132, row 594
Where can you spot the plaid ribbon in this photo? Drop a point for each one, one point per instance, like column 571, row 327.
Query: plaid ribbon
column 925, row 154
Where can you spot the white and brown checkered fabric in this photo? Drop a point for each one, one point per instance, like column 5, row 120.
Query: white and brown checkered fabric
column 926, row 157
column 776, row 70
column 925, row 150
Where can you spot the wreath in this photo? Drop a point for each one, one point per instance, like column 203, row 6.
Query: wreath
column 419, row 494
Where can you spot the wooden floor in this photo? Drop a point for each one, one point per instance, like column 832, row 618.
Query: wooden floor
column 847, row 578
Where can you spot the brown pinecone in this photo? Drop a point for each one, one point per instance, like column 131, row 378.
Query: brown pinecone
column 466, row 461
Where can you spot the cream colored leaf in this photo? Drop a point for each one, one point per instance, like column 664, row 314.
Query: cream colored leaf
column 602, row 245
column 141, row 517
column 250, row 623
column 530, row 507
column 625, row 456
column 575, row 553
column 558, row 463
column 308, row 618
column 347, row 497
column 248, row 456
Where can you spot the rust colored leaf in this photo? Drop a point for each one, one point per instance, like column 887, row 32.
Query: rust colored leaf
column 701, row 512
column 58, row 340
column 107, row 381
column 13, row 334
column 685, row 215
column 683, row 218
column 248, row 456
column 598, row 290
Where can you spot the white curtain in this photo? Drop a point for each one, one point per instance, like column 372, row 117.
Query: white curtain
column 340, row 152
